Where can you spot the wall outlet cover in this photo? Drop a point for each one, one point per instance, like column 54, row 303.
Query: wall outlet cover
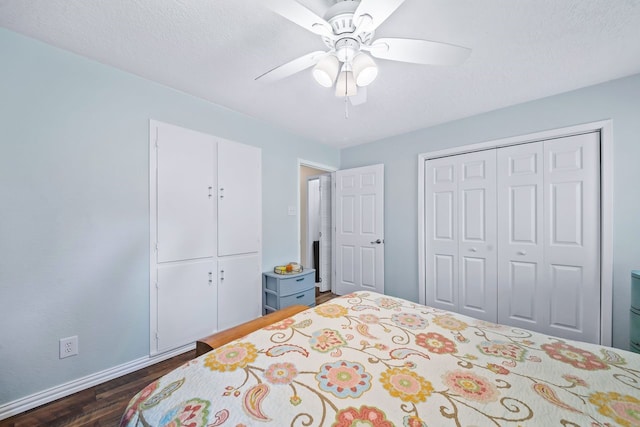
column 68, row 346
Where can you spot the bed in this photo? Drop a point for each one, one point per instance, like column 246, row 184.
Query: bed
column 367, row 359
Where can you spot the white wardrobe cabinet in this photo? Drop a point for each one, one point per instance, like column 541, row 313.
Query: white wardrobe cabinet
column 205, row 217
column 513, row 235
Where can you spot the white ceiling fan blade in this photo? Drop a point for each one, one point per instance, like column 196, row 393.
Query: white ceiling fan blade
column 298, row 14
column 371, row 13
column 292, row 67
column 418, row 51
column 360, row 97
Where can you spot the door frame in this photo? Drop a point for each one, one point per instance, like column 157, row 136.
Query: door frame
column 314, row 165
column 605, row 127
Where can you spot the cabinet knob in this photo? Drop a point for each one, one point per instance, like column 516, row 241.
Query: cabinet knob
column 473, row 250
column 522, row 252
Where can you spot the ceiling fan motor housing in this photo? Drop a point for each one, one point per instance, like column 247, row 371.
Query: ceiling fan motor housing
column 340, row 17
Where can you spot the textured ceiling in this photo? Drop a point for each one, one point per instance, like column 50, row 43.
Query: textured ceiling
column 214, row 49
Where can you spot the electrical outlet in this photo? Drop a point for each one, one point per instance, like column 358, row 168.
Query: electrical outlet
column 68, row 346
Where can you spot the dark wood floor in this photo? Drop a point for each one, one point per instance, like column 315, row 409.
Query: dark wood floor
column 104, row 404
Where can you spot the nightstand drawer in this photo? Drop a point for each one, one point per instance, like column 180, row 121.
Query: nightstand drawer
column 305, row 298
column 293, row 285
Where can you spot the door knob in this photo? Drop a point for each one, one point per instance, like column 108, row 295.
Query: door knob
column 376, row 242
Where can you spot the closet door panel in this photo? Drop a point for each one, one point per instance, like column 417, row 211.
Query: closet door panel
column 522, row 298
column 185, row 203
column 477, row 238
column 239, row 198
column 442, row 233
column 187, row 301
column 239, row 290
column 572, row 230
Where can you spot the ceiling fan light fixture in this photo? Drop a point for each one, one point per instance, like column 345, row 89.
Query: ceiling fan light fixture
column 346, row 84
column 365, row 69
column 326, row 71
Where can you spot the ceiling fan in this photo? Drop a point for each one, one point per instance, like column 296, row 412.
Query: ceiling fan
column 347, row 29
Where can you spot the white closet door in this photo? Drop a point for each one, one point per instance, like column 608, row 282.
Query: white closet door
column 572, row 230
column 442, row 233
column 239, row 290
column 239, row 198
column 522, row 291
column 185, row 201
column 477, row 246
column 187, row 303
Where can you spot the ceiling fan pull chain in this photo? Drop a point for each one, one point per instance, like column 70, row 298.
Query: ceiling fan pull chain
column 346, row 108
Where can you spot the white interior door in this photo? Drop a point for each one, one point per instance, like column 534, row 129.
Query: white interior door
column 522, row 294
column 239, row 198
column 359, row 232
column 185, row 201
column 572, row 236
column 477, row 243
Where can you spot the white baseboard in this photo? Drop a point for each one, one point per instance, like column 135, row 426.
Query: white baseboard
column 49, row 395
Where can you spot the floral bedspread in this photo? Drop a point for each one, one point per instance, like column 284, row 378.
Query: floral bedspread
column 367, row 359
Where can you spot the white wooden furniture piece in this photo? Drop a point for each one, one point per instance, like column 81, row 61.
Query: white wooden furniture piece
column 284, row 290
column 206, row 226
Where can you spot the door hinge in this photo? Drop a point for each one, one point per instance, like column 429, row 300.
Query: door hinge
column 156, row 247
column 157, row 286
column 157, row 139
column 157, row 337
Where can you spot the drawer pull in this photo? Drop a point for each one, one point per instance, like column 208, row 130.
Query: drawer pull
column 300, row 296
column 300, row 279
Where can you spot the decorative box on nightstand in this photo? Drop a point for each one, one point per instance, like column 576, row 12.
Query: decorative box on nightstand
column 282, row 290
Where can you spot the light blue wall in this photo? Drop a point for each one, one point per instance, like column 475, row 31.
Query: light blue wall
column 74, row 214
column 618, row 100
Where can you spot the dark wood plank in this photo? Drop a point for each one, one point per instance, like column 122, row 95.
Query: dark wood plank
column 104, row 404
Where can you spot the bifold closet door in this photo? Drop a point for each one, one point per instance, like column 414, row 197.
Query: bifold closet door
column 572, row 236
column 461, row 234
column 477, row 237
column 522, row 290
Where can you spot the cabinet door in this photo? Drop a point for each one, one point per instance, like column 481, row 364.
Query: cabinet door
column 239, row 290
column 239, row 198
column 185, row 201
column 187, row 303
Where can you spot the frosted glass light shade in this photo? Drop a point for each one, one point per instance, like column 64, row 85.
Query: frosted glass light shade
column 364, row 69
column 326, row 70
column 346, row 84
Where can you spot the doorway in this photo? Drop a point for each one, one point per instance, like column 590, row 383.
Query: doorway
column 311, row 205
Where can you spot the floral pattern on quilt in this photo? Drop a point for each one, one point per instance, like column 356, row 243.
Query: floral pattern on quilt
column 371, row 360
